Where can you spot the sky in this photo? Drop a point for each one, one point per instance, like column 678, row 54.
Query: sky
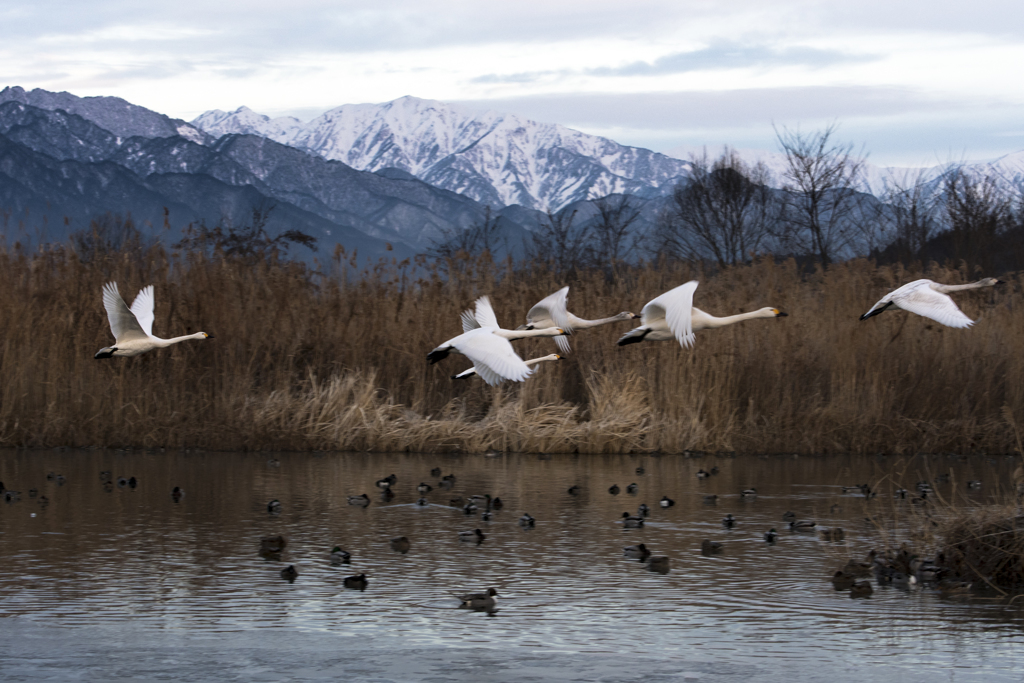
column 911, row 83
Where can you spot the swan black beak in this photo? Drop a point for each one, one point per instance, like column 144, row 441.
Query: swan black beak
column 1000, row 282
column 209, row 336
column 781, row 314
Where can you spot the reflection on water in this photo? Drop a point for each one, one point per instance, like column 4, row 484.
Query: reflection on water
column 190, row 584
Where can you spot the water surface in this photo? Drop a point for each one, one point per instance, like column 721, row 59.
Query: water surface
column 116, row 583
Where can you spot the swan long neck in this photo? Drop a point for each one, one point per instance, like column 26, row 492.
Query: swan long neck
column 582, row 324
column 522, row 334
column 711, row 321
column 164, row 343
column 946, row 289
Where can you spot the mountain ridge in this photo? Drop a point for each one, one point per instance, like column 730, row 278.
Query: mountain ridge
column 497, row 159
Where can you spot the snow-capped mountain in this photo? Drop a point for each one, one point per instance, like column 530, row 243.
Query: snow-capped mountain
column 498, row 159
column 120, row 117
column 60, row 165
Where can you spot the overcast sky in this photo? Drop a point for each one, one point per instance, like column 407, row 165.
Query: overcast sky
column 915, row 83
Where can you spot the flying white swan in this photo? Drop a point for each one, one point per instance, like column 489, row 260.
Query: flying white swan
column 672, row 316
column 931, row 300
column 551, row 312
column 133, row 328
column 533, row 361
column 488, row 346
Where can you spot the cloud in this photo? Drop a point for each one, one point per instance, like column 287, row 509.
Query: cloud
column 712, row 108
column 715, row 57
column 350, row 26
column 898, row 126
column 733, row 56
column 520, row 78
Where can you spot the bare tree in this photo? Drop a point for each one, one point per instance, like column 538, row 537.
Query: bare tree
column 484, row 236
column 250, row 242
column 109, row 233
column 911, row 210
column 611, row 240
column 559, row 242
column 821, row 204
column 725, row 211
column 978, row 209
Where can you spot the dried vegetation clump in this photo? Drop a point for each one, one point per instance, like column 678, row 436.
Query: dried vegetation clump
column 953, row 543
column 985, row 547
column 333, row 357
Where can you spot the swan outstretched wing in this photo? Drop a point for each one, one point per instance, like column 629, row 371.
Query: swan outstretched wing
column 551, row 311
column 675, row 306
column 925, row 301
column 469, row 321
column 142, row 307
column 123, row 322
column 484, row 313
column 492, row 356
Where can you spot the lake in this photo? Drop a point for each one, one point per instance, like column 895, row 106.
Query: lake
column 109, row 582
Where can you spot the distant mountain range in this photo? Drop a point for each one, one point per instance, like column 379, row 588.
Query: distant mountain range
column 388, row 179
column 56, row 164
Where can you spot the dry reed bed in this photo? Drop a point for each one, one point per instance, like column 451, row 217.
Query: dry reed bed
column 967, row 546
column 327, row 360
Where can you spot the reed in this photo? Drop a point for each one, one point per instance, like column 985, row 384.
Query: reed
column 333, row 357
column 952, row 542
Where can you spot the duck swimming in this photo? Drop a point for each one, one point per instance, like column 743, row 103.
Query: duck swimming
column 357, row 583
column 474, row 536
column 842, row 581
column 479, row 601
column 631, row 522
column 636, row 552
column 658, row 563
column 273, row 544
column 861, row 589
column 709, row 547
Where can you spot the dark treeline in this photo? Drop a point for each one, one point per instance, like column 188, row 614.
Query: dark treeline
column 814, row 208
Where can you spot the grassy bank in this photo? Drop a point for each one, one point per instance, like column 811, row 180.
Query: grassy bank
column 325, row 360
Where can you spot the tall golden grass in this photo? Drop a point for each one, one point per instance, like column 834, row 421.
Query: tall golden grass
column 334, row 358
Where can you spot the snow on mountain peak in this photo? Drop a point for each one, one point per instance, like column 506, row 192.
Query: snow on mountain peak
column 496, row 158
